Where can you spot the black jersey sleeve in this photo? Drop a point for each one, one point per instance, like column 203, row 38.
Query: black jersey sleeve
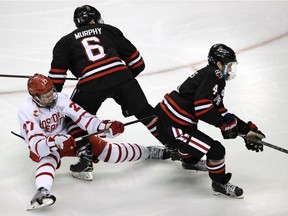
column 60, row 63
column 129, row 53
column 208, row 98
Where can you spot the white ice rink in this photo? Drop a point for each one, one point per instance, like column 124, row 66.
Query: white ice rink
column 174, row 38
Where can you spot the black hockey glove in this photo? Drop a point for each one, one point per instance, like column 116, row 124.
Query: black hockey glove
column 255, row 134
column 229, row 128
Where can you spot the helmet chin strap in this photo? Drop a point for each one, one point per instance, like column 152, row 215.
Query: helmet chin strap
column 37, row 100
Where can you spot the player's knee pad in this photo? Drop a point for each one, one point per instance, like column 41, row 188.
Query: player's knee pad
column 216, row 152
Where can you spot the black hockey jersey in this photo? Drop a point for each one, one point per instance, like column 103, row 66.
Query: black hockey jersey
column 98, row 55
column 199, row 97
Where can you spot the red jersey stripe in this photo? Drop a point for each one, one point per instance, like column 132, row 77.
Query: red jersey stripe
column 183, row 112
column 55, row 70
column 106, row 61
column 95, row 76
column 202, row 101
column 172, row 117
column 135, row 54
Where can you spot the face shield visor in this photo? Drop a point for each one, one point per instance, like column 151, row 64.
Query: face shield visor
column 47, row 100
column 230, row 70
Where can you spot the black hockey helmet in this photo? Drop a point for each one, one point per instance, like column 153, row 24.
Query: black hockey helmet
column 222, row 53
column 84, row 14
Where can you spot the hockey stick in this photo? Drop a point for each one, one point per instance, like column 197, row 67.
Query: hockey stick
column 25, row 76
column 17, row 135
column 98, row 132
column 126, row 124
column 266, row 144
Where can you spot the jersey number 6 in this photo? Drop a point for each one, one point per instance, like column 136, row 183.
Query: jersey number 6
column 93, row 49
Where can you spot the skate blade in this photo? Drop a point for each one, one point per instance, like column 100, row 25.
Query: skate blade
column 46, row 202
column 196, row 170
column 87, row 176
column 224, row 195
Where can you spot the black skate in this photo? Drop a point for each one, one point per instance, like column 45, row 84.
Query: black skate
column 227, row 189
column 200, row 166
column 41, row 199
column 157, row 152
column 83, row 169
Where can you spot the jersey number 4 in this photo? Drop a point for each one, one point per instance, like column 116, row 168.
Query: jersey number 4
column 93, row 48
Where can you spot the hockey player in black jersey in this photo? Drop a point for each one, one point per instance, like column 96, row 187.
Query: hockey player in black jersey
column 105, row 63
column 200, row 97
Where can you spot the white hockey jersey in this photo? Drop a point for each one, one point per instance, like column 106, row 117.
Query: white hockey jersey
column 38, row 123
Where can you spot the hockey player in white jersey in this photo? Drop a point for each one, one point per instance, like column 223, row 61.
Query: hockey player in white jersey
column 42, row 124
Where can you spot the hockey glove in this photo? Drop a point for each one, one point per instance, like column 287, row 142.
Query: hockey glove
column 256, row 134
column 110, row 128
column 229, row 128
column 61, row 141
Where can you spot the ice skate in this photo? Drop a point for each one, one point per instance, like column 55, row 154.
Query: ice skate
column 157, row 152
column 200, row 166
column 227, row 189
column 41, row 199
column 83, row 169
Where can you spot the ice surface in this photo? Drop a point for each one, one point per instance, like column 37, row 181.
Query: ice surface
column 174, row 38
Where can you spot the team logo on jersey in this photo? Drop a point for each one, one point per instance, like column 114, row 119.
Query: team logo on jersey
column 52, row 122
column 36, row 113
column 217, row 99
column 219, row 74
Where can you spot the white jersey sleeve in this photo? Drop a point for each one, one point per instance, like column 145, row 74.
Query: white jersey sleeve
column 81, row 117
column 35, row 137
column 37, row 124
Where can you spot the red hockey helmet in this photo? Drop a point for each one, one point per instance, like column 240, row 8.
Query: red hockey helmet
column 42, row 90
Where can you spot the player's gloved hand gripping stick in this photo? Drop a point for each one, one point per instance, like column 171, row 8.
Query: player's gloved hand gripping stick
column 106, row 127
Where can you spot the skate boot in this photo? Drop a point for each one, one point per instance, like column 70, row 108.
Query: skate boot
column 157, row 152
column 200, row 166
column 83, row 169
column 41, row 199
column 227, row 189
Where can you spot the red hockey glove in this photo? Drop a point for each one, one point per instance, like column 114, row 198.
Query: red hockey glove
column 255, row 134
column 110, row 128
column 62, row 141
column 229, row 128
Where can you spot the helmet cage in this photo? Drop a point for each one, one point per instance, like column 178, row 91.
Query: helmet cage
column 47, row 100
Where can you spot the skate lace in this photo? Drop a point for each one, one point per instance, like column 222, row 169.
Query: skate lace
column 43, row 191
column 155, row 153
column 40, row 194
column 230, row 189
